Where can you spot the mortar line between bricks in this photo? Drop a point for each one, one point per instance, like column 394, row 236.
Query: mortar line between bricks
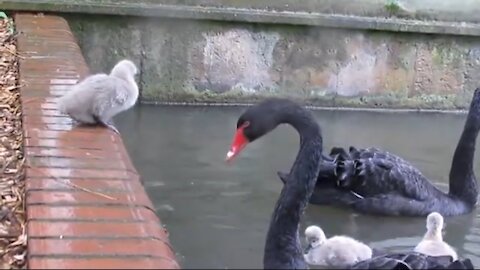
column 96, row 256
column 58, row 156
column 112, row 238
column 74, row 190
column 35, row 167
column 70, row 144
column 60, row 128
column 106, row 191
column 65, row 145
column 82, row 168
column 92, row 220
column 117, row 207
column 70, row 177
column 87, row 168
column 78, row 134
column 29, row 136
column 96, row 204
column 118, row 256
column 88, row 237
column 34, row 178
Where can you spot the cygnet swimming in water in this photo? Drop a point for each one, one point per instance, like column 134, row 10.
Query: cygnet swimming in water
column 98, row 98
column 337, row 251
column 432, row 243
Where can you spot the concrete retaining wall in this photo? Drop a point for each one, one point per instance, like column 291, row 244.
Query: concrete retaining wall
column 237, row 51
column 187, row 60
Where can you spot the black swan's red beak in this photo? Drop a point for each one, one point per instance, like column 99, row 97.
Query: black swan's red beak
column 239, row 142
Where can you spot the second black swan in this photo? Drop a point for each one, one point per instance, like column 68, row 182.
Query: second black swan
column 283, row 249
column 373, row 181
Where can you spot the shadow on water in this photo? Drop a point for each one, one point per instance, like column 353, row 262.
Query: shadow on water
column 217, row 214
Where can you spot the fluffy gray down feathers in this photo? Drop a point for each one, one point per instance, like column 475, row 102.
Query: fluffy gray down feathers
column 102, row 96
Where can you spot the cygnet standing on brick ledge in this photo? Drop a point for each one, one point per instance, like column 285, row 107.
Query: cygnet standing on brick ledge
column 98, row 98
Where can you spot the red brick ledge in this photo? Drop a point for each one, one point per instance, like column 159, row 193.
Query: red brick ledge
column 86, row 207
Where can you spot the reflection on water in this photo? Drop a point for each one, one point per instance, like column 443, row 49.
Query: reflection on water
column 217, row 214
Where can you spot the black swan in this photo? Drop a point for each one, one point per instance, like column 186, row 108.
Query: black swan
column 282, row 247
column 373, row 181
column 99, row 97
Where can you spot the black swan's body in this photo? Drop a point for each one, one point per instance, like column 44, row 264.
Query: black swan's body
column 282, row 248
column 413, row 260
column 373, row 181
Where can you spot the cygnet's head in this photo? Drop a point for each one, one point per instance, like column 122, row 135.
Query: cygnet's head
column 124, row 68
column 314, row 236
column 434, row 222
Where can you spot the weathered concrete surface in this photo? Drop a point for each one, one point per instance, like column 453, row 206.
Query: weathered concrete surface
column 191, row 60
column 387, row 15
column 445, row 10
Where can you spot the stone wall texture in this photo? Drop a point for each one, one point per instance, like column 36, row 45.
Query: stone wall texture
column 184, row 60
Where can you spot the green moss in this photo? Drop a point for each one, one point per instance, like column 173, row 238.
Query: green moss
column 446, row 55
column 392, row 7
column 385, row 101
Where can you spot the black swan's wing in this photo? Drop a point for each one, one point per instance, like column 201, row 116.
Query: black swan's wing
column 371, row 171
column 333, row 197
column 327, row 170
column 327, row 194
column 378, row 183
column 391, row 204
column 381, row 263
column 412, row 260
column 461, row 264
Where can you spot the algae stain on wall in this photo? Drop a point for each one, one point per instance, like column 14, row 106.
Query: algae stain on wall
column 237, row 58
column 439, row 68
column 375, row 65
column 357, row 74
column 182, row 59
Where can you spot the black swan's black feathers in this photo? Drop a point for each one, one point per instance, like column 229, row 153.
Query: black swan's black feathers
column 413, row 260
column 374, row 181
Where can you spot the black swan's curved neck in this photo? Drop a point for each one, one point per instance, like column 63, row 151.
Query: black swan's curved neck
column 462, row 181
column 282, row 248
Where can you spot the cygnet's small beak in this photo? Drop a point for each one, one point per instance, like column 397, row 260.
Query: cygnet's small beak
column 307, row 249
